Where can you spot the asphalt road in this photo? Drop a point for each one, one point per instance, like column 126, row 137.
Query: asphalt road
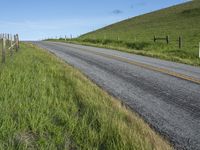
column 165, row 94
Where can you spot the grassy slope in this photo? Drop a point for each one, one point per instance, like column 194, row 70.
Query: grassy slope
column 136, row 35
column 46, row 104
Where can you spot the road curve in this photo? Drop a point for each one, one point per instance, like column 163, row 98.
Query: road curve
column 165, row 94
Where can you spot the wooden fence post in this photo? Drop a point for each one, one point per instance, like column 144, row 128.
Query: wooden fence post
column 11, row 48
column 180, row 42
column 15, row 40
column 3, row 50
column 167, row 39
column 17, row 36
column 199, row 49
column 8, row 42
column 154, row 38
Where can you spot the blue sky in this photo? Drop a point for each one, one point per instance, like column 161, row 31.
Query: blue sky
column 37, row 19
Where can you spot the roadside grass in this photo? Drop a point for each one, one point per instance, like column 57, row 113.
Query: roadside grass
column 47, row 104
column 166, row 54
column 135, row 35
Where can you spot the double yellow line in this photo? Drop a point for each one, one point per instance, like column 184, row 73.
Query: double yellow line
column 145, row 66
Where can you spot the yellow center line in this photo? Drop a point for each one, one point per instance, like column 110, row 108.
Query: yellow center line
column 145, row 66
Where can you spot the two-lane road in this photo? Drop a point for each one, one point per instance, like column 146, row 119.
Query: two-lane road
column 165, row 94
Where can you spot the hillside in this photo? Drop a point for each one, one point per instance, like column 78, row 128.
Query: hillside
column 136, row 34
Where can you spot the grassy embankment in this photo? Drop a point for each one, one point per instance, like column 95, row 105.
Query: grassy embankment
column 46, row 104
column 135, row 35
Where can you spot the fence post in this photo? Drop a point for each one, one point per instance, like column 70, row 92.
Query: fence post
column 154, row 38
column 15, row 40
column 167, row 39
column 199, row 49
column 3, row 50
column 8, row 42
column 11, row 49
column 180, row 42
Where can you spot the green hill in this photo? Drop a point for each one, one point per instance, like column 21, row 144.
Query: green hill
column 136, row 34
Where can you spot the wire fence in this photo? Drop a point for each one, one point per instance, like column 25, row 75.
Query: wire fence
column 8, row 46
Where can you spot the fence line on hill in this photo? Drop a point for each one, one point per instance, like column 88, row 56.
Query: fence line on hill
column 9, row 44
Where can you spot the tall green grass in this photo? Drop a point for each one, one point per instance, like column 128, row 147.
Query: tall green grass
column 46, row 104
